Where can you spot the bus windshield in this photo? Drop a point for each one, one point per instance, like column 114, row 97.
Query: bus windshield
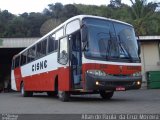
column 109, row 40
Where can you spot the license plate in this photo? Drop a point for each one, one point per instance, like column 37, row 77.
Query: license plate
column 120, row 88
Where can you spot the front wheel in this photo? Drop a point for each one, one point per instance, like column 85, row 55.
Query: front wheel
column 25, row 93
column 64, row 96
column 106, row 95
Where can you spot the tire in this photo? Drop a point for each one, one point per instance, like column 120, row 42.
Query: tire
column 25, row 93
column 106, row 95
column 64, row 96
column 52, row 94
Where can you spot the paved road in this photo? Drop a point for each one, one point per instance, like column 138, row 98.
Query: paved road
column 136, row 101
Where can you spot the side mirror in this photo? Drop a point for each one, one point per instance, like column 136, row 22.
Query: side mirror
column 139, row 47
column 85, row 46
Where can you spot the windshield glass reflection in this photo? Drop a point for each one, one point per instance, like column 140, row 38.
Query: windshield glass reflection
column 110, row 40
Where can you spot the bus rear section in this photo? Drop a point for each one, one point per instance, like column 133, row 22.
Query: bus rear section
column 92, row 55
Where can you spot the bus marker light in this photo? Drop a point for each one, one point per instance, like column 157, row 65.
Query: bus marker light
column 138, row 82
column 97, row 83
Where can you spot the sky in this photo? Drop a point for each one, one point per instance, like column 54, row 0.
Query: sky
column 21, row 6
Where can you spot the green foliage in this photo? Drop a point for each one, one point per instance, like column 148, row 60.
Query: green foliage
column 115, row 3
column 49, row 25
column 5, row 19
column 143, row 16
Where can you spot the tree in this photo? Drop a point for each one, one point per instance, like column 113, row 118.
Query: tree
column 56, row 10
column 5, row 17
column 115, row 3
column 49, row 25
column 35, row 21
column 142, row 16
column 70, row 11
column 17, row 28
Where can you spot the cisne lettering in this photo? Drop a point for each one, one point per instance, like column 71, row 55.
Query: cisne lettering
column 39, row 66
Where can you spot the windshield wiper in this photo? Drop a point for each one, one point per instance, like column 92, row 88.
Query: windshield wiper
column 121, row 43
column 84, row 37
column 109, row 45
column 85, row 46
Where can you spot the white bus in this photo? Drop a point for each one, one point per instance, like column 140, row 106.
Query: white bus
column 85, row 54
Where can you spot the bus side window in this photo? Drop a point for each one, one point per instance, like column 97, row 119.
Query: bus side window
column 41, row 48
column 38, row 50
column 56, row 45
column 23, row 58
column 31, row 54
column 63, row 51
column 17, row 61
column 44, row 47
column 51, row 42
column 58, row 34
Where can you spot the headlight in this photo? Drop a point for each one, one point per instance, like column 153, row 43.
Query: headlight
column 97, row 72
column 136, row 74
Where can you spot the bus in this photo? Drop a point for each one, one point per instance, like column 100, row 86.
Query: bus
column 84, row 55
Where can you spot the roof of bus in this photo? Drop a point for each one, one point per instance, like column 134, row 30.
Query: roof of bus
column 73, row 18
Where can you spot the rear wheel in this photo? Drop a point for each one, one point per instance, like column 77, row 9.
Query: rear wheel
column 64, row 96
column 25, row 93
column 106, row 95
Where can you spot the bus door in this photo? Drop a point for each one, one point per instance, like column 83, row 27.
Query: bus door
column 76, row 60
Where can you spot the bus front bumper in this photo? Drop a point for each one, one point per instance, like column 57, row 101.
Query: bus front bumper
column 112, row 83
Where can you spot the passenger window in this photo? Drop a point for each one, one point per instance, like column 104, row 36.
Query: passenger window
column 31, row 54
column 56, row 45
column 41, row 48
column 51, row 46
column 44, row 46
column 63, row 51
column 59, row 34
column 24, row 58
